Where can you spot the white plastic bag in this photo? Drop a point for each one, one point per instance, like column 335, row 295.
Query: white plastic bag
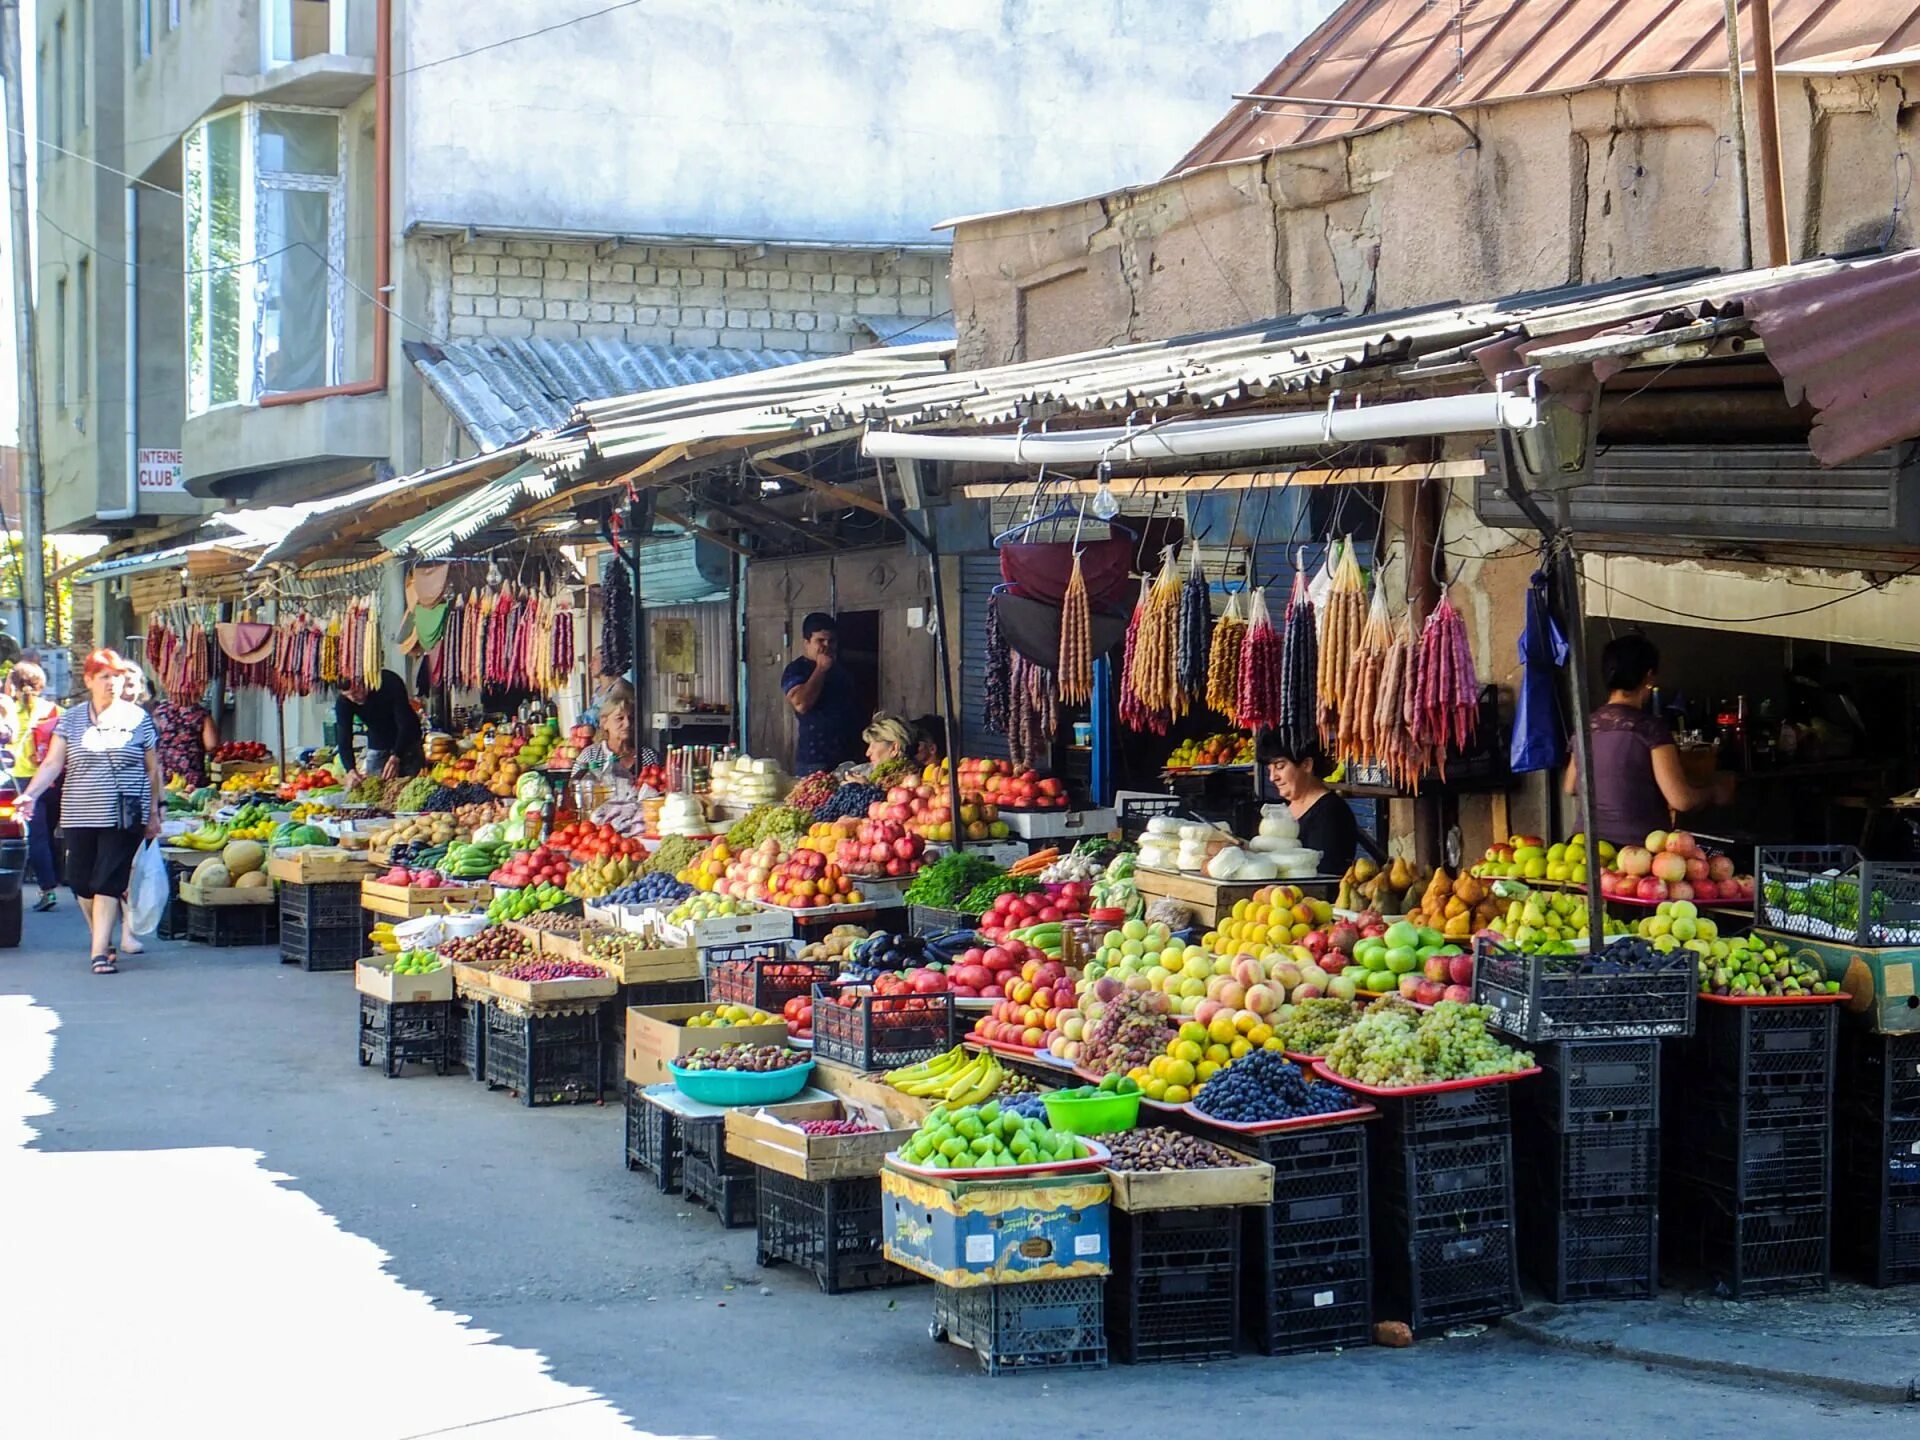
column 147, row 889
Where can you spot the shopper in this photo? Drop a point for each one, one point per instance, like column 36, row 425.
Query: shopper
column 109, row 753
column 1638, row 781
column 395, row 743
column 35, row 718
column 1326, row 823
column 188, row 734
column 817, row 686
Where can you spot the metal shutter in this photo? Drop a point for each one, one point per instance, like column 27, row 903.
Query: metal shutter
column 979, row 573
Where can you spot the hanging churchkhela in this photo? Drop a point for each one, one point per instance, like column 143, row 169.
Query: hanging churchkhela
column 1152, row 673
column 1195, row 620
column 1075, row 672
column 1260, row 702
column 1299, row 669
column 999, row 679
column 1341, row 624
column 1357, row 740
column 1446, row 701
column 1034, row 715
column 1223, row 660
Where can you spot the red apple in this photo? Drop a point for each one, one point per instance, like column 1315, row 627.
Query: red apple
column 1462, row 993
column 1650, row 889
column 1460, row 970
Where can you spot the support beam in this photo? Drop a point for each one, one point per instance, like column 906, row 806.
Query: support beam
column 674, row 517
column 850, row 498
column 1234, row 480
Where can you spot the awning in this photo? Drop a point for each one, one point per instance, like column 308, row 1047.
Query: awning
column 437, row 531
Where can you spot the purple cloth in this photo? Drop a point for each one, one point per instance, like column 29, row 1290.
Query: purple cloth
column 1627, row 802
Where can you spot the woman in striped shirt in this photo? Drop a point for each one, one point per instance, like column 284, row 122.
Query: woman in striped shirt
column 109, row 752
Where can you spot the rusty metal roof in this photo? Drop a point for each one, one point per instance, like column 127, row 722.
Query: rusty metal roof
column 1461, row 52
column 1844, row 340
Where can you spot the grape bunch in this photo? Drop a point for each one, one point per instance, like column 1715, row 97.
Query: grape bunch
column 1129, row 1032
column 1307, row 1027
column 849, row 802
column 1399, row 1044
column 1264, row 1086
column 656, row 887
column 813, row 791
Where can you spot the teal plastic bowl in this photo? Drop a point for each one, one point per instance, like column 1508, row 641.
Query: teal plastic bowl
column 741, row 1087
column 1092, row 1114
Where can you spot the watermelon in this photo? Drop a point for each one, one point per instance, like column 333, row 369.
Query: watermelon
column 309, row 835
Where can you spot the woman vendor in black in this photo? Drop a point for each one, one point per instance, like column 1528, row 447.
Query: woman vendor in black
column 1326, row 824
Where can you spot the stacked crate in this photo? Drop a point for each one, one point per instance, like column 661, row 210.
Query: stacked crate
column 1748, row 1173
column 1174, row 1293
column 1877, row 1155
column 711, row 1177
column 1587, row 1146
column 546, row 1056
column 1308, row 1255
column 653, row 1139
column 320, row 926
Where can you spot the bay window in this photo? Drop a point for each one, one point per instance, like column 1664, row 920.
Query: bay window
column 265, row 200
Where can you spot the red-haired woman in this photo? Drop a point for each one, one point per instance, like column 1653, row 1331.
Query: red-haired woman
column 109, row 753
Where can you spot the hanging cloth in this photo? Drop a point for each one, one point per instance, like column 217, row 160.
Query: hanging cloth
column 1539, row 730
column 247, row 642
column 427, row 585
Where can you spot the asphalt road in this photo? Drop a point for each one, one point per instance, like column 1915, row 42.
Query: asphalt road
column 223, row 1226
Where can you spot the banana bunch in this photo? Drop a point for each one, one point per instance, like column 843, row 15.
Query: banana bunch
column 955, row 1077
column 471, row 860
column 207, row 837
column 382, row 938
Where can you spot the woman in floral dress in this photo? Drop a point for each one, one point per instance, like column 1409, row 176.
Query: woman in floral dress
column 187, row 736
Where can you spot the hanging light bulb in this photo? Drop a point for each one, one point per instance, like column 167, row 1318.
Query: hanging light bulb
column 1105, row 506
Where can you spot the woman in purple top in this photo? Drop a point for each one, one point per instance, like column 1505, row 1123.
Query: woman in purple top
column 1638, row 782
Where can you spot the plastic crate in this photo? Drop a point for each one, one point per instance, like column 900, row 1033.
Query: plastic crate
column 763, row 975
column 1746, row 1048
column 222, row 926
column 1477, row 1112
column 829, row 1227
column 1879, row 1163
column 1444, row 1277
column 322, row 907
column 1595, row 1083
column 934, row 920
column 545, row 1059
column 1879, row 1075
column 173, row 919
column 1134, row 811
column 1532, row 999
column 1832, row 892
column 1036, row 1325
column 1310, row 1305
column 1749, row 1251
column 1615, row 1168
column 1174, row 1293
column 470, row 1031
column 334, row 948
column 395, row 1034
column 1882, row 1245
column 1572, row 1255
column 731, row 1197
column 1751, row 1156
column 1319, row 1209
column 653, row 1140
column 1447, row 1185
column 880, row 1032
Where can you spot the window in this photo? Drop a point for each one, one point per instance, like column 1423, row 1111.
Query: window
column 83, row 331
column 173, row 14
column 60, row 81
column 144, row 13
column 60, row 342
column 299, row 29
column 43, row 125
column 82, row 81
column 265, row 203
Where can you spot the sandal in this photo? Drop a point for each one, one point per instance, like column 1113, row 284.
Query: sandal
column 104, row 965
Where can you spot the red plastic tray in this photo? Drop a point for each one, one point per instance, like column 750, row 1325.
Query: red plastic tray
column 1733, row 907
column 1095, row 1160
column 1397, row 1092
column 1300, row 1057
column 1836, row 999
column 1273, row 1127
column 1040, row 1056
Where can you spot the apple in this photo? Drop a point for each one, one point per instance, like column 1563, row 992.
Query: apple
column 1410, row 984
column 1427, row 992
column 1437, row 969
column 1634, row 860
column 1650, row 888
column 1720, row 869
column 1696, row 869
column 1680, row 843
column 1669, row 867
column 1657, row 841
column 1460, row 970
column 1462, row 993
column 1680, row 890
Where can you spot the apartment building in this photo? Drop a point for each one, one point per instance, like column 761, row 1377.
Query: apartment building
column 286, row 246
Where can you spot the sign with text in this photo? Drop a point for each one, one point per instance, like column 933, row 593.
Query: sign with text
column 161, row 473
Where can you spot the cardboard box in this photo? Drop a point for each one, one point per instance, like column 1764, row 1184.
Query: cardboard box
column 760, row 1136
column 1880, row 983
column 194, row 894
column 375, row 977
column 657, row 1034
column 318, row 867
column 995, row 1232
column 1249, row 1183
column 764, row 924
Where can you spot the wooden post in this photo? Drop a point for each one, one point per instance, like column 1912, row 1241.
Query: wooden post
column 1773, row 186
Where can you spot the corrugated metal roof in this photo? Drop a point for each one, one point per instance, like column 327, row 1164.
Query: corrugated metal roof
column 503, row 389
column 1844, row 340
column 1417, row 52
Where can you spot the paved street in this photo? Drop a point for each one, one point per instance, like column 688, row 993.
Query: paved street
column 215, row 1223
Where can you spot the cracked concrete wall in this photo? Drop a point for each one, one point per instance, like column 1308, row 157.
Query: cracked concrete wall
column 1618, row 180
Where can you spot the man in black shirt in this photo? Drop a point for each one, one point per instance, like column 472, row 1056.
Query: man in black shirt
column 395, row 745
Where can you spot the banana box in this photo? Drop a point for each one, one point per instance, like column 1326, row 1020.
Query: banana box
column 991, row 1232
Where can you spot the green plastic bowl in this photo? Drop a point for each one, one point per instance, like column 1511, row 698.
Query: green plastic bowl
column 742, row 1087
column 1092, row 1114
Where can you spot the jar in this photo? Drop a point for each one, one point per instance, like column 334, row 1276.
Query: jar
column 1102, row 922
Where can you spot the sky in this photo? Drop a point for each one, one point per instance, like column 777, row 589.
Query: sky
column 9, row 390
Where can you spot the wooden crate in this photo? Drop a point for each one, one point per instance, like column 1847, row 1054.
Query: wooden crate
column 870, row 1090
column 758, row 1135
column 550, row 992
column 1250, row 1183
column 405, row 902
column 318, row 867
column 1210, row 900
column 209, row 895
column 375, row 977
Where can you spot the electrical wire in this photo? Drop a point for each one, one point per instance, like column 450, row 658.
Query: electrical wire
column 1698, row 619
column 505, row 41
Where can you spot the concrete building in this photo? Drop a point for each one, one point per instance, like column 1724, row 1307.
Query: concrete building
column 406, row 226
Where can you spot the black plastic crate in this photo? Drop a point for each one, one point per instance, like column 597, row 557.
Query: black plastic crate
column 1877, row 1162
column 322, row 907
column 880, row 1032
column 1474, row 1113
column 1572, row 1255
column 1540, row 997
column 1587, row 1084
column 1779, row 1248
column 1310, row 1305
column 763, row 974
column 1879, row 1075
column 1198, row 1238
column 1746, row 1047
column 1881, row 1244
column 653, row 1140
column 1832, row 892
column 173, row 919
column 1037, row 1325
column 706, row 1140
column 228, row 925
column 545, row 1059
column 731, row 1197
column 470, row 1035
column 829, row 1227
column 1609, row 1167
column 1134, row 811
column 1444, row 1277
column 613, row 1025
column 1446, row 1185
column 398, row 1033
column 1752, row 1156
column 934, row 920
column 1174, row 1291
column 1319, row 1209
column 336, row 948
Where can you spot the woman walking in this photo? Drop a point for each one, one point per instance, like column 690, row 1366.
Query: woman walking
column 26, row 684
column 109, row 752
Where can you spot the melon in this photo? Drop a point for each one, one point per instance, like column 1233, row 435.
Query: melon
column 211, row 875
column 309, row 835
column 252, row 880
column 243, row 856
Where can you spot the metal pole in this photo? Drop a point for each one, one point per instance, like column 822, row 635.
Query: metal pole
column 33, row 578
column 1772, row 182
column 639, row 525
column 1737, row 93
column 1566, row 564
column 950, row 712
